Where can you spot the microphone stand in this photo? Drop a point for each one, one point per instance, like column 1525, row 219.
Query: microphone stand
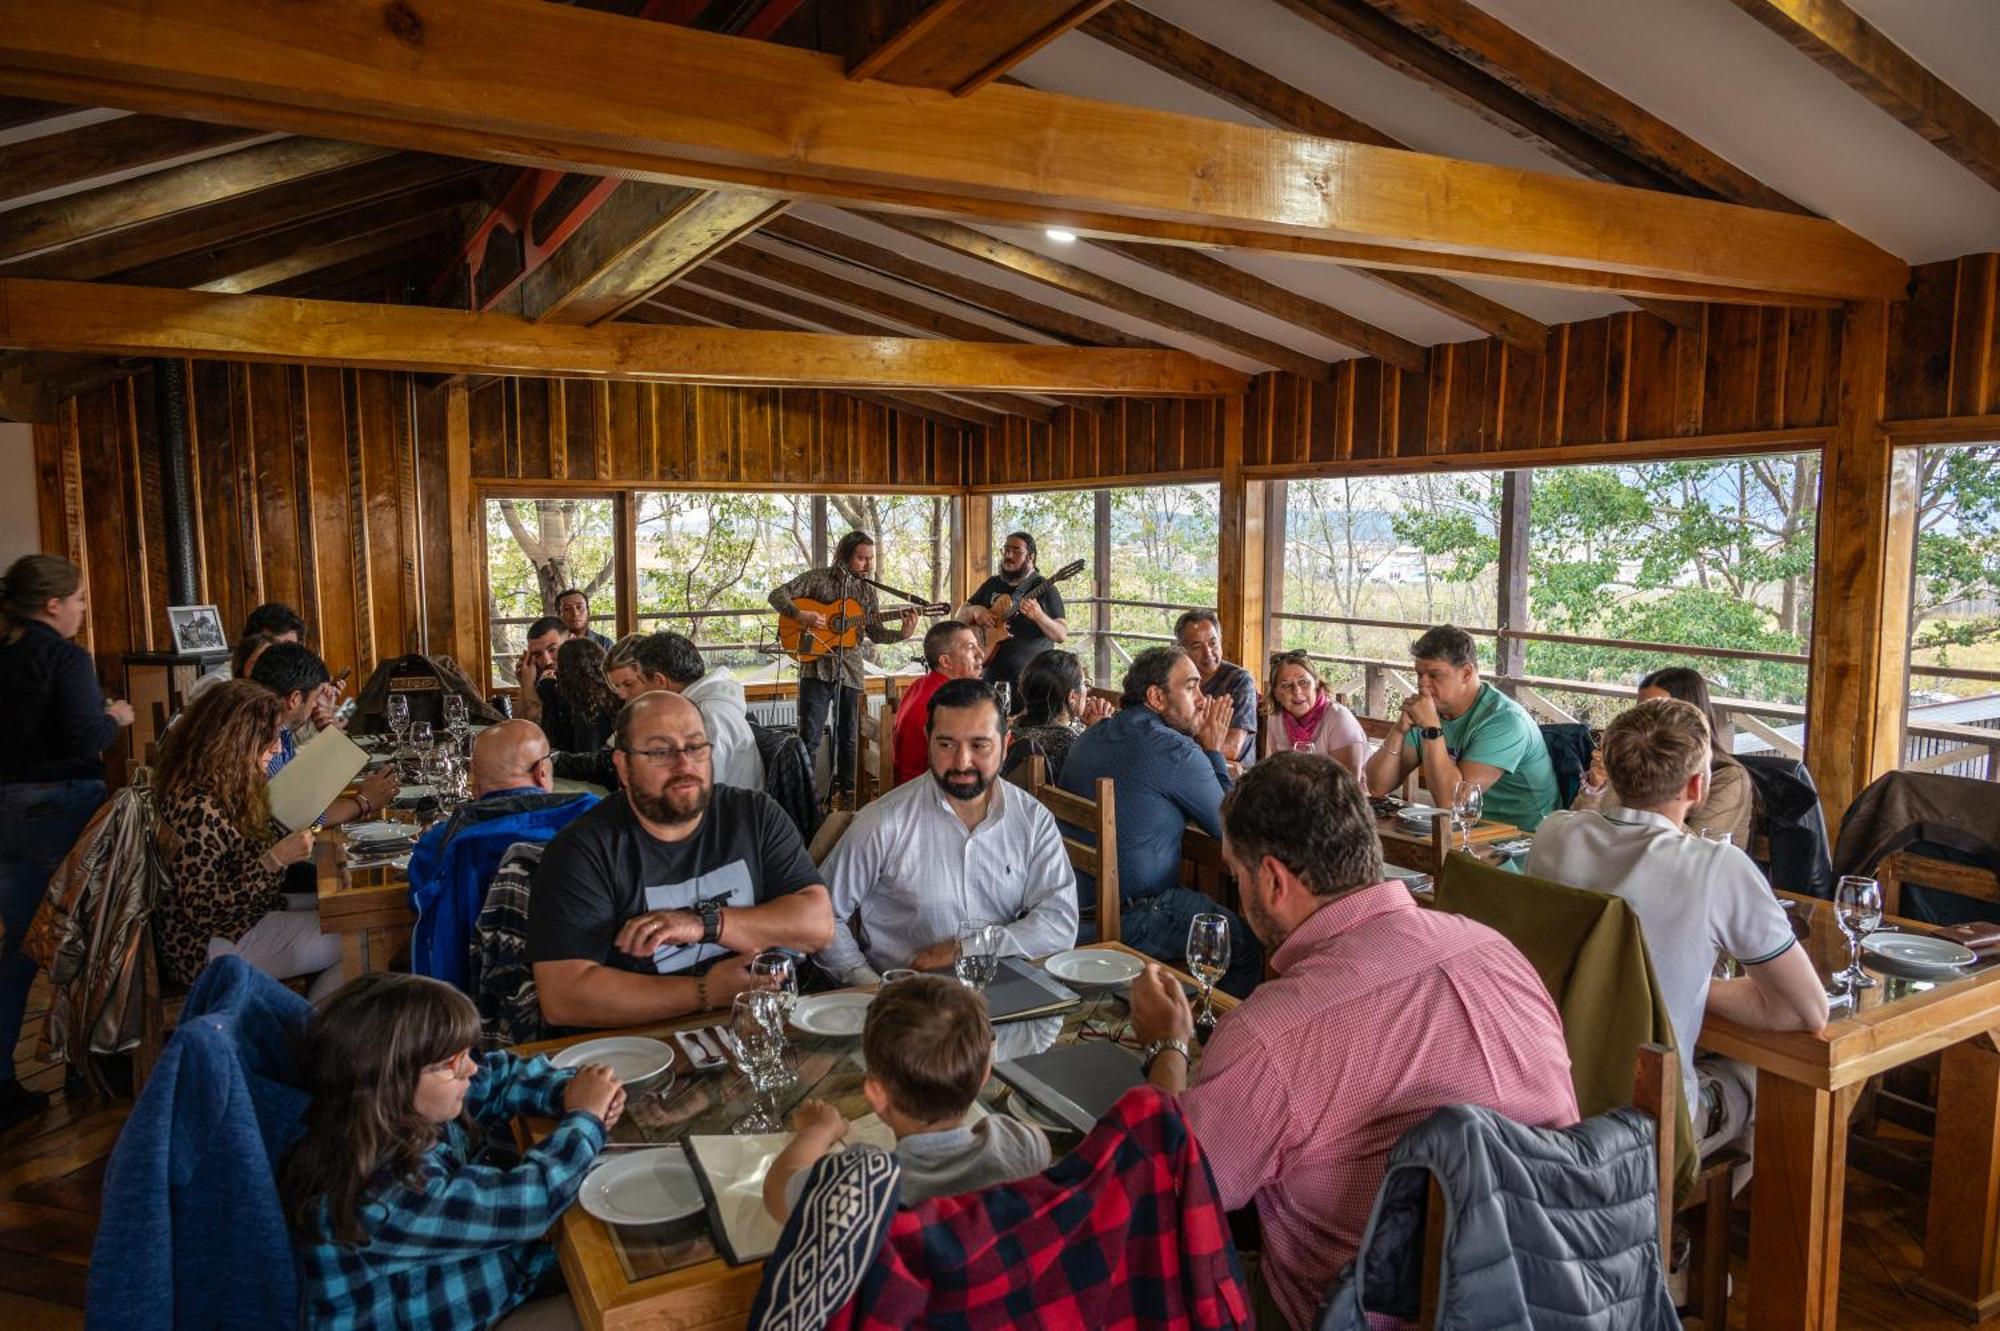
column 911, row 597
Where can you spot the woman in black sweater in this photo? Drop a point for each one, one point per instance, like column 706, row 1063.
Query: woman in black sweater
column 54, row 728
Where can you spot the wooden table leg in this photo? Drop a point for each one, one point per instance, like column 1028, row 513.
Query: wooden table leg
column 1796, row 1205
column 1962, row 1235
column 353, row 954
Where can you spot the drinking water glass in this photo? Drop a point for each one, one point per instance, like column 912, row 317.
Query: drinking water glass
column 1857, row 906
column 399, row 717
column 757, row 1021
column 778, row 972
column 978, row 955
column 455, row 718
column 1208, row 960
column 1468, row 800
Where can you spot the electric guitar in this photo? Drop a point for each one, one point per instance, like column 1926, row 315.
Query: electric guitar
column 845, row 620
column 1004, row 607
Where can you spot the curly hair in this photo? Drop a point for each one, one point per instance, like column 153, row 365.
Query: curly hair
column 214, row 748
column 580, row 680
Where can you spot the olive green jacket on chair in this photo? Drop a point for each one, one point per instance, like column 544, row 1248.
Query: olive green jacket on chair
column 1589, row 950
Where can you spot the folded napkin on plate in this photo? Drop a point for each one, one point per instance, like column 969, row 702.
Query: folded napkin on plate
column 1980, row 936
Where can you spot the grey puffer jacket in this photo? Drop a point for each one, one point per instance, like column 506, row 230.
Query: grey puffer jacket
column 1549, row 1229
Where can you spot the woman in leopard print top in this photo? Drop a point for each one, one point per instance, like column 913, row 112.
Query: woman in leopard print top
column 224, row 857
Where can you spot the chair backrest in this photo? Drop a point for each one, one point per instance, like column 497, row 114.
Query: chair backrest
column 829, row 835
column 1100, row 818
column 876, row 776
column 1656, row 1092
column 500, row 977
column 1202, row 868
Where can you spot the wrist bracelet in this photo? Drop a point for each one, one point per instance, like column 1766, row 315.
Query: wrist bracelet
column 367, row 805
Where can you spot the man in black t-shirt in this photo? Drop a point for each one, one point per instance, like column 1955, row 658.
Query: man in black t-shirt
column 1033, row 627
column 653, row 903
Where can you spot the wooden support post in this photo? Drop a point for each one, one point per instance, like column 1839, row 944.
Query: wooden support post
column 465, row 520
column 974, row 544
column 1962, row 1235
column 1277, row 500
column 822, row 548
column 1239, row 574
column 625, row 590
column 1861, row 592
column 1511, row 654
column 1100, row 583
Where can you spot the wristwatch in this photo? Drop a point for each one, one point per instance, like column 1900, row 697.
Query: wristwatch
column 711, row 920
column 1432, row 732
column 1158, row 1047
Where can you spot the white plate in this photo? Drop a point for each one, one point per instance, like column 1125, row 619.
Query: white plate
column 633, row 1057
column 384, row 830
column 642, row 1188
column 1917, row 951
column 1096, row 966
column 416, row 792
column 832, row 1014
column 1421, row 814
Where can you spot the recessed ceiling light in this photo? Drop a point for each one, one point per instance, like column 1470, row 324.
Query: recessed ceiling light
column 1061, row 236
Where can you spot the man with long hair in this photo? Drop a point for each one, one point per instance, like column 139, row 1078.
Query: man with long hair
column 836, row 679
column 1033, row 626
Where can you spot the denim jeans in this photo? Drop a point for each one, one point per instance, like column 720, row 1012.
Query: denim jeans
column 1158, row 926
column 815, row 695
column 39, row 822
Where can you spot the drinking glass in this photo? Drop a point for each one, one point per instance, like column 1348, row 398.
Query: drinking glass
column 757, row 1021
column 399, row 717
column 1005, row 693
column 1468, row 799
column 978, row 955
column 1208, row 960
column 777, row 971
column 898, row 975
column 455, row 719
column 1857, row 906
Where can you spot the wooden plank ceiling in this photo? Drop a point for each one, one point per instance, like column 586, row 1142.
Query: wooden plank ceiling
column 139, row 146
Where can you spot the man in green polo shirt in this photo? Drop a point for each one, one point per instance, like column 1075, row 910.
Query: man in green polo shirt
column 1459, row 728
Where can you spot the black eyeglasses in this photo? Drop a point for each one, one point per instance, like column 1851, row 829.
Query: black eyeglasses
column 666, row 755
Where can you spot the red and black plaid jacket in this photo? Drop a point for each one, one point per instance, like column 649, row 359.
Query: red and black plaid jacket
column 1124, row 1232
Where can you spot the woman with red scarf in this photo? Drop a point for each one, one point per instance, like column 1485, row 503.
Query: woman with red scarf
column 1307, row 719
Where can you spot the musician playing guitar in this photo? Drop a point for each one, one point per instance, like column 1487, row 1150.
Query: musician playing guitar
column 1035, row 622
column 836, row 678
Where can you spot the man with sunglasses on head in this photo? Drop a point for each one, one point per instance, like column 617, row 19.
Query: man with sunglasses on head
column 654, row 903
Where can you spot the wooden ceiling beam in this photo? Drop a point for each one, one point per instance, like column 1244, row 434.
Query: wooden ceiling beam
column 617, row 96
column 1211, row 274
column 103, row 319
column 1858, row 53
column 802, row 310
column 1045, row 319
column 685, row 305
column 430, row 224
column 130, row 204
column 27, row 110
column 366, row 277
column 69, row 159
column 823, row 286
column 956, row 46
column 641, row 239
column 1083, row 283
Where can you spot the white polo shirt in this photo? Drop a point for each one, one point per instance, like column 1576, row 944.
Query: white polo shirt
column 1694, row 899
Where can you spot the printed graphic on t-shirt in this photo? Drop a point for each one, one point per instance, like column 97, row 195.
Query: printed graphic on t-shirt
column 730, row 886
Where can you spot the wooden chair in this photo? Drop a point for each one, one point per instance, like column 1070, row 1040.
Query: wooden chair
column 1100, row 817
column 1904, row 866
column 1656, row 1083
column 829, row 835
column 876, row 763
column 1202, row 868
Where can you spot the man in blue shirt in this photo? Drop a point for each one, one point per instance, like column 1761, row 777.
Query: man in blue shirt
column 1163, row 749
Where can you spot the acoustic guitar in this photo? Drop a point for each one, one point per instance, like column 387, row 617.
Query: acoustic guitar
column 1004, row 607
column 845, row 621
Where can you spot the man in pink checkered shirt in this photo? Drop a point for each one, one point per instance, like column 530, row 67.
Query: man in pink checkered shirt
column 1380, row 1013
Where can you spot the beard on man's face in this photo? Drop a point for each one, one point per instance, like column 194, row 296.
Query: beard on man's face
column 964, row 784
column 683, row 800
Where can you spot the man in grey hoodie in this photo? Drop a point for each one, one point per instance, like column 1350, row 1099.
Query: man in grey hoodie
column 647, row 662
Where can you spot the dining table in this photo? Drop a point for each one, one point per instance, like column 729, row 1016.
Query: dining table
column 1423, row 847
column 675, row 1274
column 1807, row 1087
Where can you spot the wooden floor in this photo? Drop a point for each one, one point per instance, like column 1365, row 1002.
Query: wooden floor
column 52, row 1173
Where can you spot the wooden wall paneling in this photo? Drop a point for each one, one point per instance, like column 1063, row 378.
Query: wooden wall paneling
column 1773, row 342
column 329, row 483
column 1810, row 385
column 1651, row 371
column 267, row 407
column 872, row 455
column 618, row 408
column 486, row 424
column 1974, row 330
column 297, row 443
column 1523, row 381
column 1469, row 413
column 762, row 411
column 1410, row 409
column 538, row 408
column 1618, row 375
column 466, row 519
column 1729, row 388
column 151, row 631
column 52, row 447
column 369, row 527
column 98, row 428
column 1691, row 377
column 1922, row 342
column 1586, row 370
column 797, row 425
column 217, row 492
column 437, row 537
column 1370, row 430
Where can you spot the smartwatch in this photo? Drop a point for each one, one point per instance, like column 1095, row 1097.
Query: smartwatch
column 1432, row 732
column 711, row 920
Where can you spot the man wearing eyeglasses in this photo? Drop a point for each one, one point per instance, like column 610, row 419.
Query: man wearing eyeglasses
column 513, row 799
column 653, row 904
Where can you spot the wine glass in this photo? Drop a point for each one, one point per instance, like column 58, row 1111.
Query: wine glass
column 757, row 1023
column 455, row 718
column 1208, row 960
column 399, row 717
column 1857, row 906
column 1468, row 799
column 776, row 971
column 978, row 955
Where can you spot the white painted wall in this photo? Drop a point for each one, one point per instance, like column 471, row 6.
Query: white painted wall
column 20, row 516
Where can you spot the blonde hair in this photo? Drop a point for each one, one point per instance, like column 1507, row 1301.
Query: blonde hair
column 1651, row 750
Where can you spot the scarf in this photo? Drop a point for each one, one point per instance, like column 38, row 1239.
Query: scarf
column 1304, row 731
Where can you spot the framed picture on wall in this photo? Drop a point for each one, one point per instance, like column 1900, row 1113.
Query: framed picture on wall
column 197, row 628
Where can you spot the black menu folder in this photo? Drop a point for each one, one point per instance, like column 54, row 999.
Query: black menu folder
column 1077, row 1083
column 1021, row 989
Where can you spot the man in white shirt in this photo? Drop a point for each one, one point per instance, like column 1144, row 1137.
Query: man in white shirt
column 668, row 661
column 932, row 856
column 1694, row 898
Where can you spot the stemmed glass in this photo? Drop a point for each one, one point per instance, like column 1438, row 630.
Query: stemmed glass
column 1208, row 961
column 455, row 718
column 399, row 717
column 1468, row 800
column 978, row 955
column 777, row 971
column 1857, row 906
column 757, row 1021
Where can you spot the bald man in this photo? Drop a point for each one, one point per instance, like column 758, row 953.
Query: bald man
column 653, row 904
column 514, row 799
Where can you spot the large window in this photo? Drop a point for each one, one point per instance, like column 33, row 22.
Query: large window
column 1953, row 720
column 535, row 549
